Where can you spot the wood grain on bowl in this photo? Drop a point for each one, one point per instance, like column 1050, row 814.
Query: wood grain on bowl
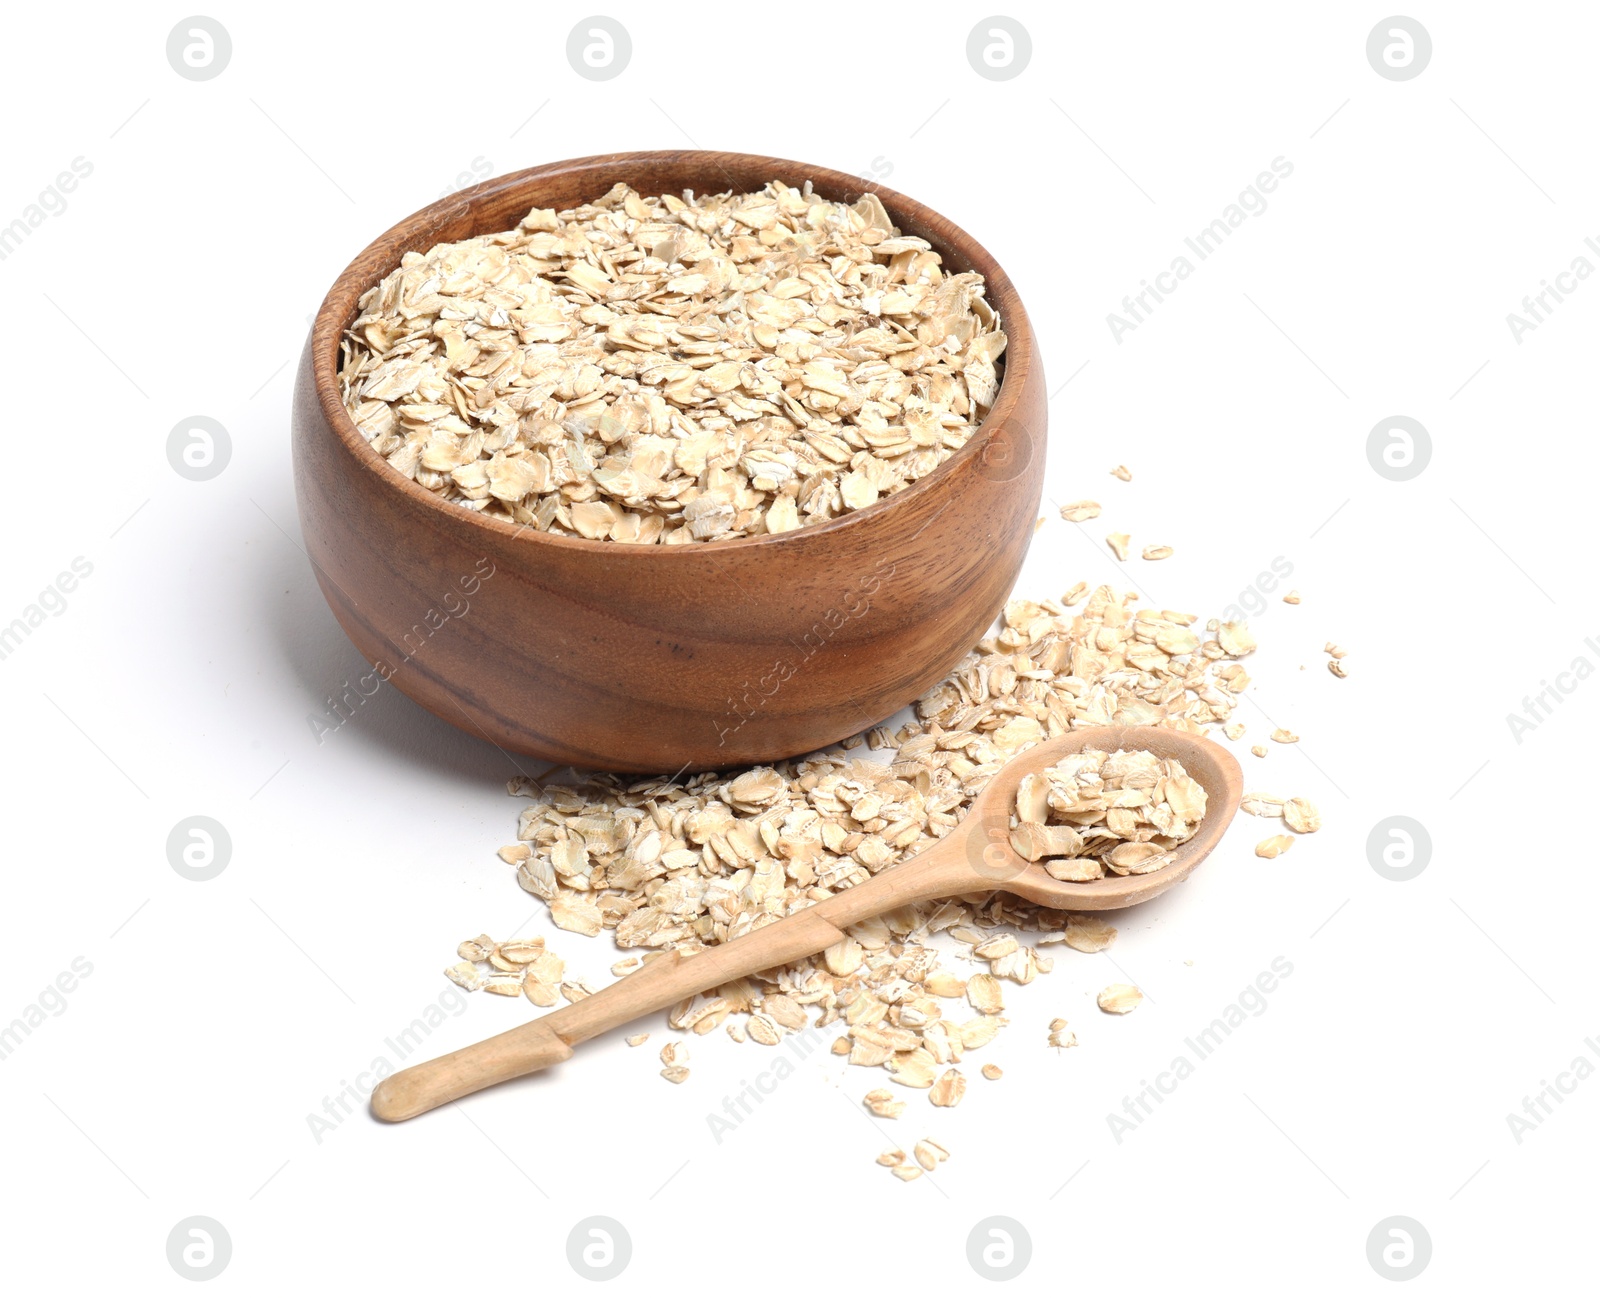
column 656, row 658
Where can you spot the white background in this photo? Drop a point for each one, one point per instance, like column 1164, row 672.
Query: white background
column 178, row 679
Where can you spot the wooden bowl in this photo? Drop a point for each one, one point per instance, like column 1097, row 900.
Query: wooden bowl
column 661, row 658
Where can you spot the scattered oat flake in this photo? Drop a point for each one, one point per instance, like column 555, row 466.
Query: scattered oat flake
column 576, row 989
column 520, row 952
column 465, row 975
column 913, row 1068
column 907, row 1173
column 576, row 913
column 1088, row 933
column 844, row 956
column 992, row 1071
column 891, row 1158
column 929, row 1154
column 980, row 1031
column 1338, row 668
column 984, row 994
column 1282, row 736
column 1234, row 730
column 883, row 1103
column 1062, row 1037
column 1122, row 471
column 948, row 1090
column 1118, row 541
column 1119, row 998
column 784, row 1010
column 1260, row 750
column 1156, row 552
column 1235, row 639
column 1301, row 816
column 637, row 1039
column 1277, row 845
column 1293, row 597
column 676, row 1074
column 1080, row 511
column 997, row 948
column 477, row 948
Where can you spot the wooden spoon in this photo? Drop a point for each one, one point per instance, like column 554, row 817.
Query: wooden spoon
column 976, row 856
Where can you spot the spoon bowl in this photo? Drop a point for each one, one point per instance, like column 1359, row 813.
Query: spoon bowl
column 999, row 865
column 975, row 856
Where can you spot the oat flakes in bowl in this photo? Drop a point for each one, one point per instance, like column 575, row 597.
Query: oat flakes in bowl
column 664, row 369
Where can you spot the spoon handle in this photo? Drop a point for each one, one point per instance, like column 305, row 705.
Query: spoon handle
column 940, row 871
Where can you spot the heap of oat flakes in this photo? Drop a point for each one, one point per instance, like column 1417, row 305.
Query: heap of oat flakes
column 666, row 370
column 1094, row 812
column 684, row 864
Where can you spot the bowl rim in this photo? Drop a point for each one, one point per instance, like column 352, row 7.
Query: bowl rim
column 377, row 259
